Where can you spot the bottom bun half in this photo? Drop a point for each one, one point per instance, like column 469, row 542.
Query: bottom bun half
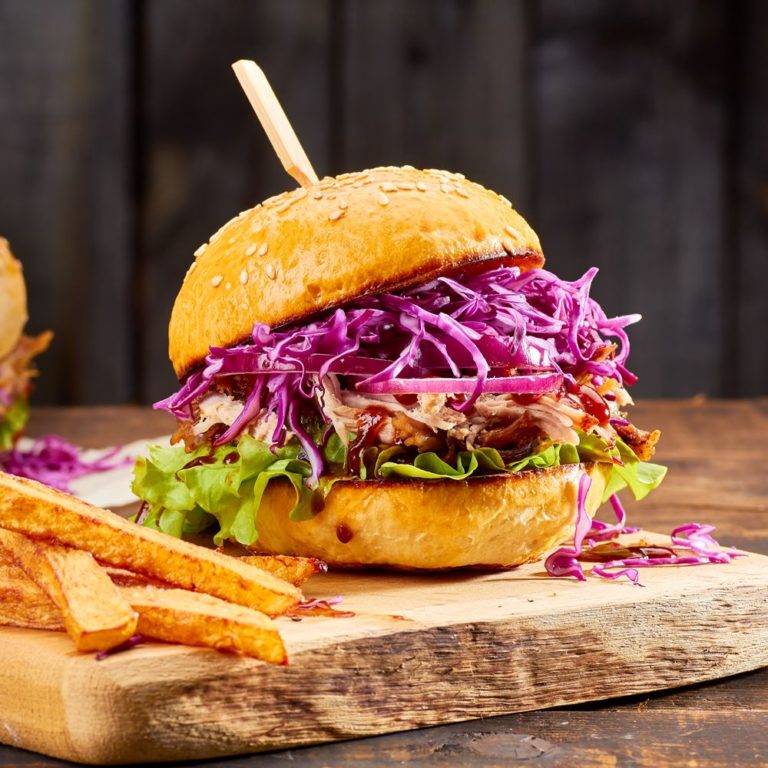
column 498, row 521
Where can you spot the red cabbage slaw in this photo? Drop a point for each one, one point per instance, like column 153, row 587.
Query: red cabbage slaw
column 692, row 544
column 530, row 330
column 54, row 461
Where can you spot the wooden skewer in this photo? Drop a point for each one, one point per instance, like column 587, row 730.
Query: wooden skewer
column 275, row 123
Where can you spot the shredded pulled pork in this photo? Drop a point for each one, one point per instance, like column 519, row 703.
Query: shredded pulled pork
column 16, row 371
column 513, row 425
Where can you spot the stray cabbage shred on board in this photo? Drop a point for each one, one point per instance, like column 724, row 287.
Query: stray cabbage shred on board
column 55, row 461
column 691, row 544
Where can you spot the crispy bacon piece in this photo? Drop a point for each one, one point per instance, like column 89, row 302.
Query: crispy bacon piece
column 641, row 442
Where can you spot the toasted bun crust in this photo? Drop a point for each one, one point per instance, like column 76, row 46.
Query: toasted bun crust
column 309, row 250
column 13, row 299
column 497, row 521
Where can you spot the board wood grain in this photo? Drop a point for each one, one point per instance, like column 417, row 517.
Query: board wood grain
column 421, row 650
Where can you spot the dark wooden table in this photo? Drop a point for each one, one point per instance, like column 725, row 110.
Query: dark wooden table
column 715, row 451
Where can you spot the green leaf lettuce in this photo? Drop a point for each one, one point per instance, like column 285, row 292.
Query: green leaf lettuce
column 189, row 492
column 12, row 423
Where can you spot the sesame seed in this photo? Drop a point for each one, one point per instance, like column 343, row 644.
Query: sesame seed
column 383, row 199
column 462, row 192
column 335, row 215
column 227, row 285
column 201, row 250
column 408, row 168
column 283, row 208
column 421, row 186
column 510, row 230
column 508, row 245
column 270, row 270
column 250, row 250
column 459, row 176
column 406, row 185
column 446, row 187
column 505, row 200
column 216, row 281
column 244, row 277
column 357, row 184
column 192, row 266
column 317, row 195
column 263, row 249
column 388, row 187
column 232, row 240
column 343, row 204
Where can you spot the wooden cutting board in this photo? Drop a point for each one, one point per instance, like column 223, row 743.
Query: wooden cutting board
column 420, row 651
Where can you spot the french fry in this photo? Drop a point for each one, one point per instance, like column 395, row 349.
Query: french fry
column 41, row 512
column 295, row 570
column 22, row 602
column 95, row 615
column 124, row 578
column 170, row 615
column 192, row 618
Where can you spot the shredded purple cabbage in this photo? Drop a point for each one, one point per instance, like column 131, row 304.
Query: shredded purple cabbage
column 56, row 462
column 692, row 544
column 565, row 561
column 497, row 323
column 126, row 645
column 317, row 602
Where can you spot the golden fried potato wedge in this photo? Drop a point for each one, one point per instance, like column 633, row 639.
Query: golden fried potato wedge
column 295, row 570
column 125, row 578
column 38, row 511
column 192, row 618
column 95, row 615
column 171, row 615
column 22, row 602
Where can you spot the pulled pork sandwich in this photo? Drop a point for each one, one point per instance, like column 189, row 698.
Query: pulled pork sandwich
column 378, row 371
column 16, row 349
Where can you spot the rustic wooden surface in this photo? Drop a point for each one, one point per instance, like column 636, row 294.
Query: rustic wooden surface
column 717, row 724
column 629, row 134
column 419, row 651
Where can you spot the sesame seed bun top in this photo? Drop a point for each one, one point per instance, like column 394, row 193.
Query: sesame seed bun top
column 13, row 300
column 309, row 250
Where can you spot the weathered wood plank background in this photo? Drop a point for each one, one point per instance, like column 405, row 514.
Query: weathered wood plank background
column 631, row 135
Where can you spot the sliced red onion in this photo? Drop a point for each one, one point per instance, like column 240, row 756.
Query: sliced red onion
column 260, row 363
column 518, row 385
